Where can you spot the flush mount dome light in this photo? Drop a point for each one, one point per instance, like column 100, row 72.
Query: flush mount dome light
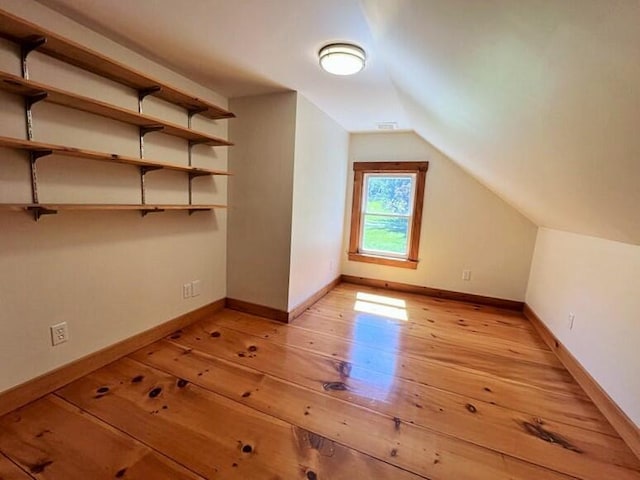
column 342, row 58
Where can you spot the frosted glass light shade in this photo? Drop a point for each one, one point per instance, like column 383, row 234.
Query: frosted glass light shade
column 342, row 58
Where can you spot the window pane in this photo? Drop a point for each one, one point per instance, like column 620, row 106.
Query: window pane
column 385, row 234
column 388, row 194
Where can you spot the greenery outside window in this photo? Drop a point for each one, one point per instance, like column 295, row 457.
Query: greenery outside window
column 387, row 212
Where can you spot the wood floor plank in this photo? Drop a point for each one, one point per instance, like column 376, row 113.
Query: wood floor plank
column 370, row 387
column 523, row 436
column 344, row 421
column 217, row 437
column 473, row 328
column 9, row 471
column 381, row 330
column 408, row 365
column 566, row 407
column 424, row 321
column 54, row 440
column 439, row 306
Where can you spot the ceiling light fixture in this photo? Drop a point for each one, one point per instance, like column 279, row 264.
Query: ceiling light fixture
column 342, row 58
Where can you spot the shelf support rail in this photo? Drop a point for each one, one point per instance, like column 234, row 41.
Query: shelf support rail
column 37, row 211
column 27, row 46
column 29, row 102
column 190, row 114
column 192, row 175
column 34, row 155
column 143, row 188
column 193, row 143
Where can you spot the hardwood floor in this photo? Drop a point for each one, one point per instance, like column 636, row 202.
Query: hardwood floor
column 366, row 384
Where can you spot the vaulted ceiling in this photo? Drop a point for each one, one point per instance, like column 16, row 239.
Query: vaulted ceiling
column 538, row 99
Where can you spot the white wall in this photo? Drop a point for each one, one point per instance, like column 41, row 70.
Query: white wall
column 287, row 200
column 464, row 225
column 260, row 195
column 597, row 280
column 109, row 275
column 319, row 182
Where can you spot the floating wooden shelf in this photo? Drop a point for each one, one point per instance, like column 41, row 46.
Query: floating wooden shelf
column 39, row 91
column 31, row 146
column 40, row 209
column 104, row 206
column 22, row 32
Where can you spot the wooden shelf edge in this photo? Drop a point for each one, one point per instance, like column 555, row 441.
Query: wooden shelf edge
column 18, row 30
column 26, row 88
column 105, row 206
column 33, row 146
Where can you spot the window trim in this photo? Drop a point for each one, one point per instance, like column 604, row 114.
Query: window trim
column 359, row 171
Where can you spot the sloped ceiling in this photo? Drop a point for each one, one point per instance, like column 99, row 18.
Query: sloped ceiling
column 538, row 99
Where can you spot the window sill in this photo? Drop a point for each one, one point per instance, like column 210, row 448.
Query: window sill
column 387, row 261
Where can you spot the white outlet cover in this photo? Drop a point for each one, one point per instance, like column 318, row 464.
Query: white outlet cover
column 59, row 333
column 187, row 290
column 196, row 288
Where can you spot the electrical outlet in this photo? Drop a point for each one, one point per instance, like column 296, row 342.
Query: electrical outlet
column 196, row 288
column 466, row 275
column 59, row 333
column 187, row 290
column 572, row 317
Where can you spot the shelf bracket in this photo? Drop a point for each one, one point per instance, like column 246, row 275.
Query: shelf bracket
column 27, row 46
column 193, row 143
column 34, row 155
column 194, row 111
column 198, row 174
column 150, row 128
column 145, row 92
column 194, row 210
column 29, row 102
column 147, row 212
column 147, row 129
column 151, row 168
column 143, row 188
column 40, row 211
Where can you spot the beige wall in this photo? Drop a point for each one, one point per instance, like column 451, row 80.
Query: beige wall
column 320, row 174
column 260, row 195
column 109, row 275
column 287, row 200
column 465, row 226
column 597, row 280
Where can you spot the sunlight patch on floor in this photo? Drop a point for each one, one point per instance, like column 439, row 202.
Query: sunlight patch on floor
column 381, row 305
column 374, row 325
column 381, row 299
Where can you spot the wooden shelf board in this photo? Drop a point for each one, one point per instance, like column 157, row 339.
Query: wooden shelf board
column 32, row 146
column 104, row 206
column 20, row 86
column 19, row 30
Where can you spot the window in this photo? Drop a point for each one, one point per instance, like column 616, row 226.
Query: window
column 387, row 212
